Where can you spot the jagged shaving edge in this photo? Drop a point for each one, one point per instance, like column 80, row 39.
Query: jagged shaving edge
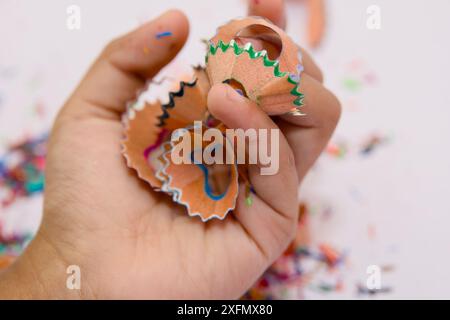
column 254, row 54
column 176, row 193
column 124, row 149
column 171, row 103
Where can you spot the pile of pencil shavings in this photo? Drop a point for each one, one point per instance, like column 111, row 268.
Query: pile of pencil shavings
column 253, row 56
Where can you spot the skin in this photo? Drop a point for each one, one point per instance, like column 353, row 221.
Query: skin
column 316, row 22
column 131, row 242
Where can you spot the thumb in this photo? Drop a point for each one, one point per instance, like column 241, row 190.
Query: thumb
column 271, row 218
column 127, row 62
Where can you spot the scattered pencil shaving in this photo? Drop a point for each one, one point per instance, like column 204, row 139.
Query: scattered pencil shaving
column 22, row 170
column 163, row 34
column 373, row 143
column 352, row 84
column 304, row 268
column 388, row 268
column 358, row 76
column 337, row 150
column 342, row 148
column 239, row 54
column 248, row 194
column 371, row 231
column 12, row 246
column 356, row 195
column 40, row 110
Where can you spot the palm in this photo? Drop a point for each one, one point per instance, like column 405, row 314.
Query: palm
column 135, row 235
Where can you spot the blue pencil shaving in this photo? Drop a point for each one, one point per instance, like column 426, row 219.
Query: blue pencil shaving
column 22, row 170
column 240, row 92
column 163, row 34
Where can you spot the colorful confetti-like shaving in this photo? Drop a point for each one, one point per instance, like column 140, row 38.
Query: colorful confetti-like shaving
column 372, row 143
column 163, row 34
column 22, row 170
column 337, row 150
column 342, row 148
column 11, row 246
column 304, row 268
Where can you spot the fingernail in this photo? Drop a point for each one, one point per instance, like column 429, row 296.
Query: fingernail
column 234, row 95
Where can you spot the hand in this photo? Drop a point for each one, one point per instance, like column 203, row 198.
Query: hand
column 132, row 242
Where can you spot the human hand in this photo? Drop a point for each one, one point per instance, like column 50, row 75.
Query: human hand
column 131, row 242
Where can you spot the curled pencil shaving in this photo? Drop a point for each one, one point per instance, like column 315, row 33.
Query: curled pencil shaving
column 256, row 58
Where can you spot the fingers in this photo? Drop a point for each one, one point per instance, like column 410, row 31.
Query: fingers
column 311, row 68
column 309, row 134
column 276, row 195
column 270, row 9
column 127, row 62
column 271, row 231
column 306, row 143
column 321, row 107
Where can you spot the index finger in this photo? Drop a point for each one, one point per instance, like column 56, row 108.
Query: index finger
column 272, row 216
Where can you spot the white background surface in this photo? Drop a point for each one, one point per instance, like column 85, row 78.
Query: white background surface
column 401, row 190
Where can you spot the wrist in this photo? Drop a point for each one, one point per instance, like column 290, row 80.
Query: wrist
column 40, row 273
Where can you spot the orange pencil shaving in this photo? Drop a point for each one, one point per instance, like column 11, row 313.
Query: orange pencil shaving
column 316, row 23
